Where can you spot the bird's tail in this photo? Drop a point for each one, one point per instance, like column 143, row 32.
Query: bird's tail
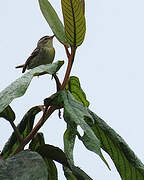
column 20, row 66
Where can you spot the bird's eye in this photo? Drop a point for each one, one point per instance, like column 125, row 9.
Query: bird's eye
column 46, row 39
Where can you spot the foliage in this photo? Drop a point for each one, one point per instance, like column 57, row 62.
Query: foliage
column 38, row 162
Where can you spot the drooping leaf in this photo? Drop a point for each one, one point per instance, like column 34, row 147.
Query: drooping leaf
column 35, row 144
column 37, row 141
column 8, row 114
column 24, row 127
column 54, row 153
column 52, row 169
column 91, row 145
column 75, row 88
column 68, row 174
column 74, row 21
column 24, row 165
column 79, row 173
column 19, row 86
column 75, row 113
column 69, row 140
column 126, row 162
column 73, row 172
column 53, row 20
column 54, row 100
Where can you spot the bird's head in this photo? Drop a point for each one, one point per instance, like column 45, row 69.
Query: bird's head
column 46, row 41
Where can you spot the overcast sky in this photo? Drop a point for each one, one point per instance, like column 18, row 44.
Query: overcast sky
column 110, row 65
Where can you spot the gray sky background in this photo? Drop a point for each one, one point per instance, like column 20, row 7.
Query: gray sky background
column 109, row 64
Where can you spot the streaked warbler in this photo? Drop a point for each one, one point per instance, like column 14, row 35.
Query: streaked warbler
column 43, row 54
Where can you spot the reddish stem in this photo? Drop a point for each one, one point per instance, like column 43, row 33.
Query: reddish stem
column 69, row 67
column 34, row 131
column 67, row 51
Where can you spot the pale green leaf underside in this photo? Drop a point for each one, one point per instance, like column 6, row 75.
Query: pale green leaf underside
column 74, row 115
column 74, row 21
column 24, row 165
column 69, row 141
column 19, row 86
column 126, row 162
column 53, row 20
column 75, row 112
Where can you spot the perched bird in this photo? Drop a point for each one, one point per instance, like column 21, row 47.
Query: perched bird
column 43, row 54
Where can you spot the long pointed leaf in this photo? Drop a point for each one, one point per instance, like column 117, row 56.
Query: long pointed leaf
column 54, row 153
column 74, row 21
column 68, row 174
column 53, row 20
column 51, row 168
column 19, row 86
column 69, row 140
column 126, row 162
column 75, row 112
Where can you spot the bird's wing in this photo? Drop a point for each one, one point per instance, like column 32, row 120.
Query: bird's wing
column 33, row 54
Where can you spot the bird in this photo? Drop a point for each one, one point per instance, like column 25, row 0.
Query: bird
column 44, row 53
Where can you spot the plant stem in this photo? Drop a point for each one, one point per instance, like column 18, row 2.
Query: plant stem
column 69, row 67
column 67, row 51
column 34, row 131
column 18, row 135
column 58, row 84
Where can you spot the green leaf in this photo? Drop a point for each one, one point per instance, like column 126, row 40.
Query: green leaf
column 79, row 173
column 76, row 173
column 68, row 174
column 52, row 169
column 73, row 172
column 75, row 88
column 24, row 128
column 37, row 141
column 74, row 21
column 19, row 86
column 69, row 140
column 54, row 153
column 91, row 145
column 35, row 144
column 126, row 162
column 24, row 165
column 75, row 113
column 8, row 114
column 54, row 100
column 53, row 20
